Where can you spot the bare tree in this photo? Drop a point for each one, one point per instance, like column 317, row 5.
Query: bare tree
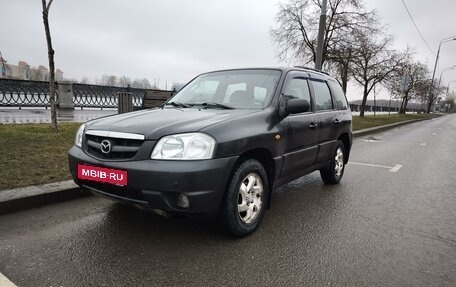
column 376, row 61
column 341, row 61
column 297, row 29
column 432, row 95
column 450, row 103
column 296, row 34
column 409, row 81
column 124, row 81
column 109, row 80
column 85, row 80
column 146, row 84
column 141, row 84
column 52, row 92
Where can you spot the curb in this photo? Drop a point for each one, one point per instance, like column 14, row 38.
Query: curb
column 23, row 198
column 363, row 132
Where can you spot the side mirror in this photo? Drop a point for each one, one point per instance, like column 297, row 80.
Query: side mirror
column 293, row 106
column 296, row 106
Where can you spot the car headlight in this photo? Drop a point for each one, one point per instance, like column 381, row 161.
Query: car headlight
column 79, row 134
column 191, row 146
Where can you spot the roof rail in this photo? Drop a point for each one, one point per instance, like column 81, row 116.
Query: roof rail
column 313, row 69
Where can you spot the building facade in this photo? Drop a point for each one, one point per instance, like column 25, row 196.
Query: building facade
column 23, row 71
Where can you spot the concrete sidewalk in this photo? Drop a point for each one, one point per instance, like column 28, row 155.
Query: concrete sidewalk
column 18, row 199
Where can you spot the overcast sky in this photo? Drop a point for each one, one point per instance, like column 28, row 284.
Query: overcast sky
column 174, row 40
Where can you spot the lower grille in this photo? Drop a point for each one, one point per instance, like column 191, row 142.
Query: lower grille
column 115, row 190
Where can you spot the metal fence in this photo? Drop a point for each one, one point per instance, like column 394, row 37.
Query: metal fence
column 21, row 93
column 95, row 96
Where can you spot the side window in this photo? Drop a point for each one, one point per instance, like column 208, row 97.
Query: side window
column 297, row 89
column 322, row 96
column 340, row 102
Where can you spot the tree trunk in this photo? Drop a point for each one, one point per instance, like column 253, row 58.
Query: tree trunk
column 405, row 104
column 402, row 108
column 52, row 93
column 344, row 78
column 363, row 103
column 431, row 100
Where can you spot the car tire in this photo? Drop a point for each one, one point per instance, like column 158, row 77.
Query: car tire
column 336, row 169
column 245, row 198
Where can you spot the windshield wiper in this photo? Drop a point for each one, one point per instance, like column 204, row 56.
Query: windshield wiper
column 177, row 104
column 213, row 105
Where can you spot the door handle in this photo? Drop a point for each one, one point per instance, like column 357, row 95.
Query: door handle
column 336, row 122
column 313, row 125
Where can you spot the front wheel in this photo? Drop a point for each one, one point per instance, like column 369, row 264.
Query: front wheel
column 245, row 199
column 334, row 173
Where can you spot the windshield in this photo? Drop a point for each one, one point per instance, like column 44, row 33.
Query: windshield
column 239, row 89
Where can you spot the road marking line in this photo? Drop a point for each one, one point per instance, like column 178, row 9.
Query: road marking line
column 393, row 142
column 373, row 165
column 5, row 282
column 396, row 168
column 391, row 168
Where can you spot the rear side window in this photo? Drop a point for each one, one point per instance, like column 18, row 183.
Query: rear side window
column 322, row 96
column 340, row 102
column 297, row 89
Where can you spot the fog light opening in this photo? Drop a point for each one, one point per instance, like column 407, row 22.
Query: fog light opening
column 182, row 200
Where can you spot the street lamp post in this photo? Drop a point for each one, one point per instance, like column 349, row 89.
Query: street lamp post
column 448, row 88
column 321, row 36
column 443, row 71
column 435, row 67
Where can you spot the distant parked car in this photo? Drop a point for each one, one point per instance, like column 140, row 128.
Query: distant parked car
column 221, row 145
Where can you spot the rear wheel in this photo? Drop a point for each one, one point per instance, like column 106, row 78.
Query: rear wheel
column 245, row 199
column 334, row 173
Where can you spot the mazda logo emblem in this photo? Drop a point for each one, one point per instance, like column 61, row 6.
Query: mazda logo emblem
column 105, row 146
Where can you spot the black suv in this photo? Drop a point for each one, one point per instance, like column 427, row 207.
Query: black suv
column 221, row 145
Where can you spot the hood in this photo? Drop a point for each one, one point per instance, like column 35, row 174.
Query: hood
column 156, row 123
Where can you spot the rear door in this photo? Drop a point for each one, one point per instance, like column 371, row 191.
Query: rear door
column 324, row 107
column 343, row 113
column 302, row 144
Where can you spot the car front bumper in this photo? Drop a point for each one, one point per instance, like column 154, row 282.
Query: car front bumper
column 156, row 184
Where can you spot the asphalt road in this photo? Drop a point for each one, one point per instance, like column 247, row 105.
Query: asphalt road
column 391, row 222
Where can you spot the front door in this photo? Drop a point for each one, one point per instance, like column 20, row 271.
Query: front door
column 302, row 146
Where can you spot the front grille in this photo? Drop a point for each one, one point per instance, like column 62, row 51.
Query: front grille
column 119, row 148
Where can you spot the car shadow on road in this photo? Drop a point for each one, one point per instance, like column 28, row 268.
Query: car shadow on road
column 126, row 219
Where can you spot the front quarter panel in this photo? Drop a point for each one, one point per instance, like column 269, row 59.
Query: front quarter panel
column 257, row 130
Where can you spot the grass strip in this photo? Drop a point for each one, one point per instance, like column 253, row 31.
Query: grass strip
column 32, row 154
column 370, row 121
